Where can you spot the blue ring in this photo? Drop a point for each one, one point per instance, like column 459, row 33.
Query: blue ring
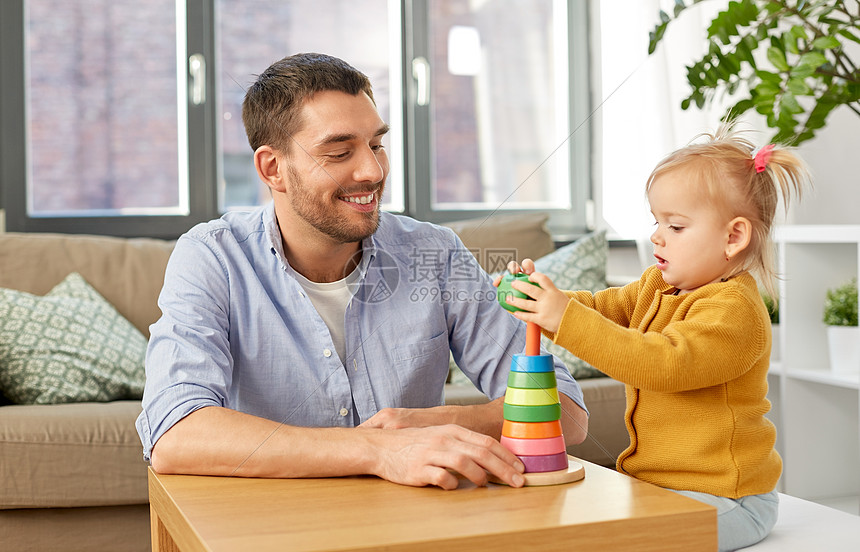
column 532, row 363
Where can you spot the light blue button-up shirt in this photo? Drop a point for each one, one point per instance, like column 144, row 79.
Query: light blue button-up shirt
column 238, row 331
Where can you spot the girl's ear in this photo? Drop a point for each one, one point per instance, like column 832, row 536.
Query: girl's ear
column 740, row 234
column 267, row 162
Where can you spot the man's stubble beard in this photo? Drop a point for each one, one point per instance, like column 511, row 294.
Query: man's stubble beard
column 324, row 217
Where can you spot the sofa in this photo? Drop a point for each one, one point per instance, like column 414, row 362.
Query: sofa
column 72, row 476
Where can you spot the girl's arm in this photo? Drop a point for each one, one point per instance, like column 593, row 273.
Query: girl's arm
column 716, row 340
column 615, row 303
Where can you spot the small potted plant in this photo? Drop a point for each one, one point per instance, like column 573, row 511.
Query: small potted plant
column 773, row 311
column 843, row 334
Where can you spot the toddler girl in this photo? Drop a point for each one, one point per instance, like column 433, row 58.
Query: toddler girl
column 691, row 338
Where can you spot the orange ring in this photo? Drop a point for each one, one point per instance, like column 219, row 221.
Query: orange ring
column 531, row 430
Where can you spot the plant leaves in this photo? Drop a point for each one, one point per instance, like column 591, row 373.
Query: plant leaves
column 777, row 58
column 741, row 107
column 798, row 87
column 849, row 35
column 812, row 59
column 826, row 43
column 803, row 71
column 772, row 52
column 790, row 43
column 798, row 32
column 767, row 76
column 788, row 103
column 655, row 36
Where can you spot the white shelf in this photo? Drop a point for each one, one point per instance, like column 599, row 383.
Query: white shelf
column 808, row 233
column 816, row 410
column 775, row 368
column 850, row 381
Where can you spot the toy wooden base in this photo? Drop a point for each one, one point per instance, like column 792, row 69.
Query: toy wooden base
column 574, row 472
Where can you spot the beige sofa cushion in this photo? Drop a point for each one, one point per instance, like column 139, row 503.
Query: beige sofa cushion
column 497, row 239
column 82, row 454
column 128, row 273
column 607, row 431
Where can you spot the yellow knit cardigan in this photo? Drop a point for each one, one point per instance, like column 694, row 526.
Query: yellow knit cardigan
column 695, row 368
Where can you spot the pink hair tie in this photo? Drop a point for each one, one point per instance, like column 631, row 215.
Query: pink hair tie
column 762, row 157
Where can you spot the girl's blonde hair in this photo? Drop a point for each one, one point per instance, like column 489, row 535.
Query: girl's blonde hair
column 724, row 167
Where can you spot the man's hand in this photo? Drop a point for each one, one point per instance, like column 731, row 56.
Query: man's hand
column 424, row 456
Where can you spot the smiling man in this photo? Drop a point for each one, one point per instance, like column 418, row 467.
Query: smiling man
column 296, row 341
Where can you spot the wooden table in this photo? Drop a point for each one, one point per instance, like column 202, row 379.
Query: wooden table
column 605, row 511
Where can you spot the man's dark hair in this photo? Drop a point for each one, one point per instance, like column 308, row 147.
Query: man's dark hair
column 273, row 103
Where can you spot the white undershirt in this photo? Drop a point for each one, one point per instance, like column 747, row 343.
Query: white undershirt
column 330, row 300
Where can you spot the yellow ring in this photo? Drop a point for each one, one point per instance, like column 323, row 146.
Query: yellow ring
column 531, row 397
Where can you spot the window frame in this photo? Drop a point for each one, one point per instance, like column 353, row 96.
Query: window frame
column 14, row 154
column 202, row 155
column 563, row 222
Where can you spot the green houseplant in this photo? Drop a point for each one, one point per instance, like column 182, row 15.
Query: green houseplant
column 840, row 305
column 789, row 60
column 772, row 307
column 776, row 336
column 843, row 334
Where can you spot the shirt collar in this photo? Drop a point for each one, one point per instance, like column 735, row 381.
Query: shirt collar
column 273, row 231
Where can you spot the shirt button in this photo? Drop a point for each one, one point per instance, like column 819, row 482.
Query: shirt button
column 344, row 411
column 326, row 353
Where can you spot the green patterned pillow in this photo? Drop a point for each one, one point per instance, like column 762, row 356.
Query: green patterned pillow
column 70, row 345
column 578, row 265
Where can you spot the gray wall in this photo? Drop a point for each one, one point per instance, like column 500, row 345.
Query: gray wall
column 834, row 159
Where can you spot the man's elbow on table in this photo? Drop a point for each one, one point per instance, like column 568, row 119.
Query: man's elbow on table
column 172, row 451
column 161, row 457
column 574, row 422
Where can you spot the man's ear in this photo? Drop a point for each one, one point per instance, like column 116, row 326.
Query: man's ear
column 267, row 161
column 740, row 235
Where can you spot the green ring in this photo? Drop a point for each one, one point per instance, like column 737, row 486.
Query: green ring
column 505, row 290
column 531, row 380
column 544, row 413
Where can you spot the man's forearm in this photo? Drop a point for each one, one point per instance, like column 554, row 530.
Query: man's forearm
column 220, row 441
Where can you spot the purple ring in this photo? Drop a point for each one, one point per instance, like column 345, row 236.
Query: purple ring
column 548, row 463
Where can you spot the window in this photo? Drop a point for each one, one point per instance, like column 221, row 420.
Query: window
column 253, row 35
column 122, row 117
column 500, row 109
column 497, row 112
column 96, row 116
column 101, row 106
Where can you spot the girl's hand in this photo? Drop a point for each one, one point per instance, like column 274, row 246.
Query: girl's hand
column 546, row 304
